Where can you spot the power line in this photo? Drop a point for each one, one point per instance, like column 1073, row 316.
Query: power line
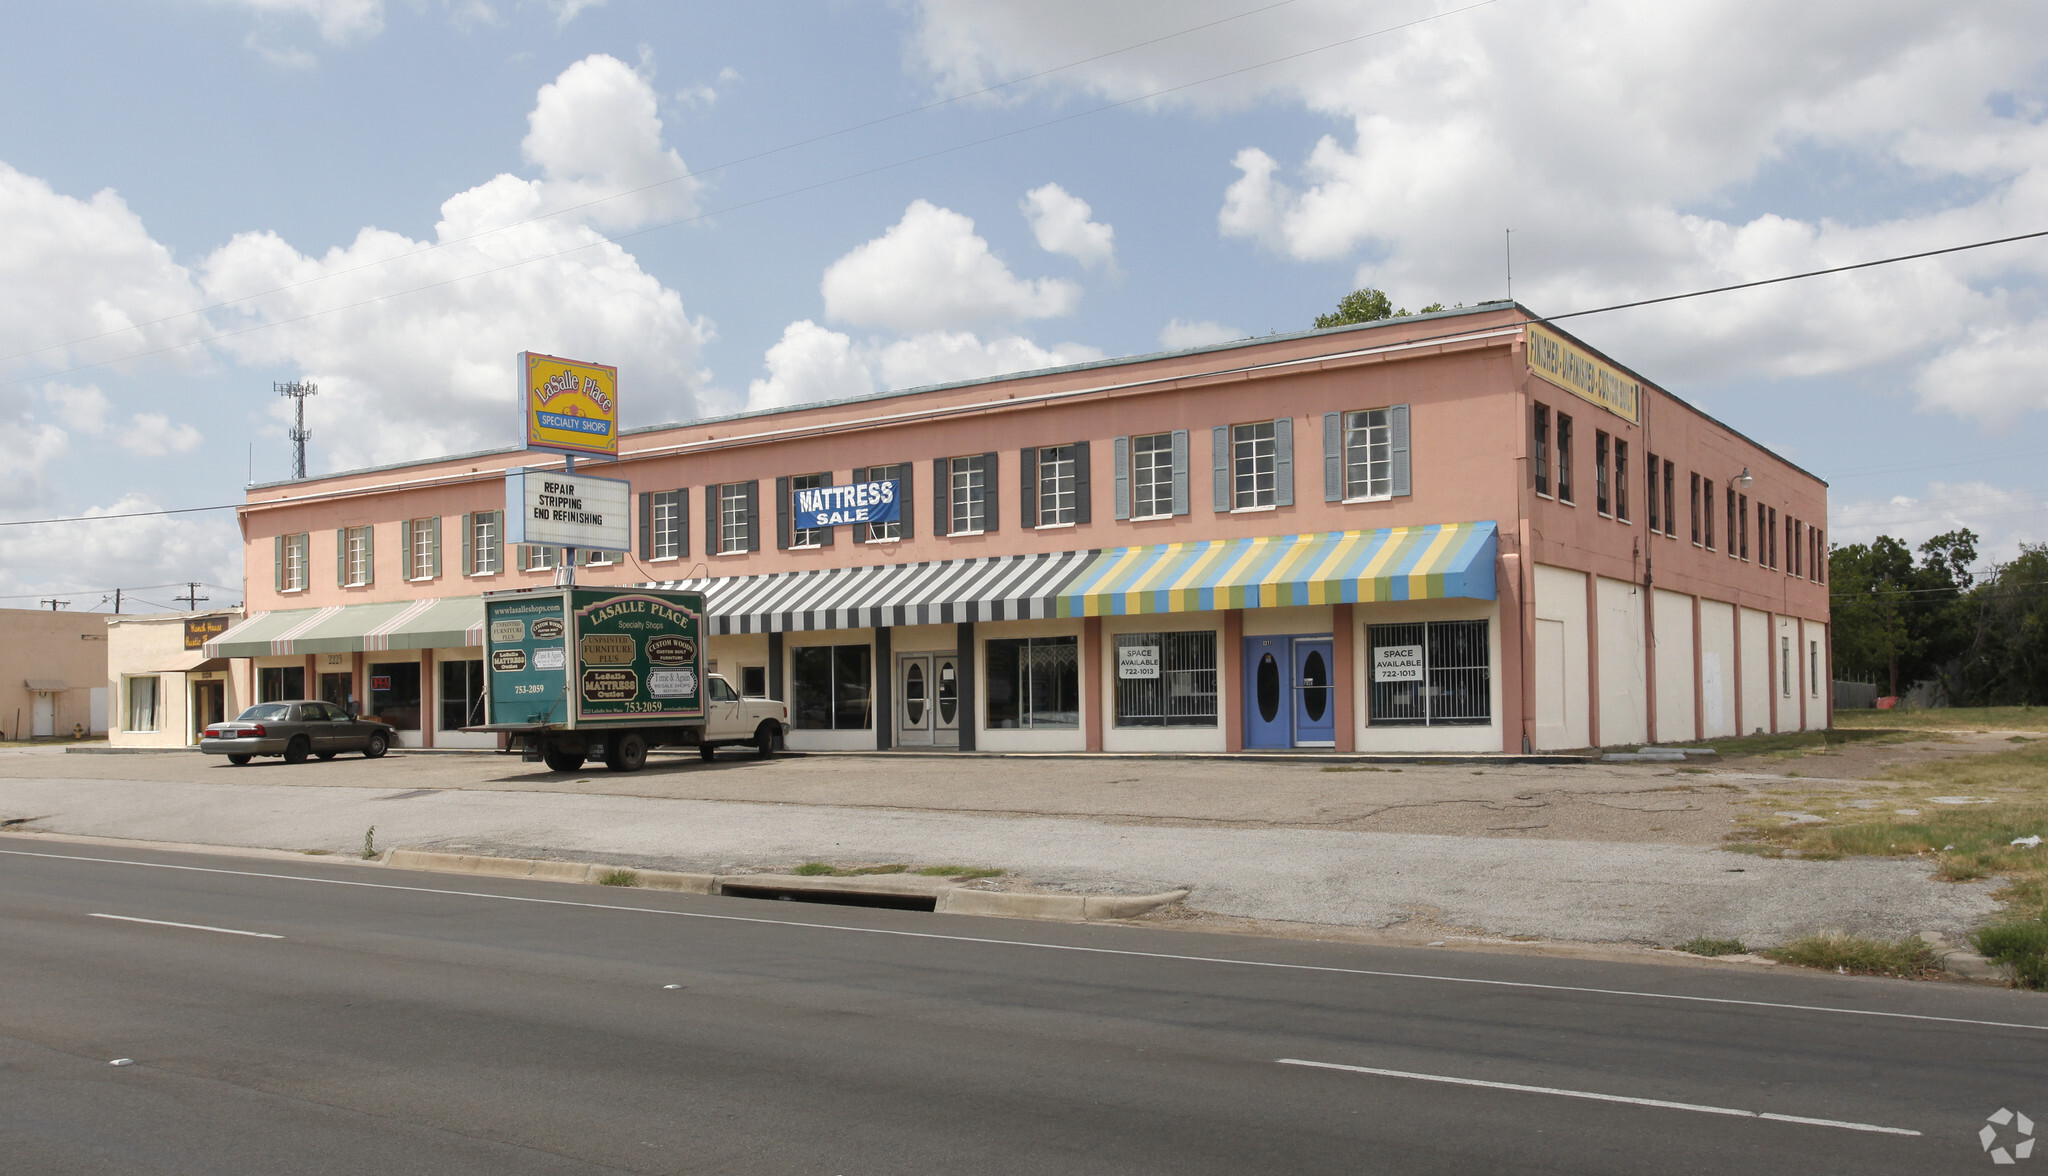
column 687, row 175
column 133, row 514
column 614, row 238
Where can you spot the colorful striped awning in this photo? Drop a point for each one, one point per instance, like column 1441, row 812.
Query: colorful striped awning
column 1331, row 567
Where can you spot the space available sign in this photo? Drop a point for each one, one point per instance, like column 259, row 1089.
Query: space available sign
column 1137, row 661
column 567, row 510
column 837, row 506
column 1397, row 663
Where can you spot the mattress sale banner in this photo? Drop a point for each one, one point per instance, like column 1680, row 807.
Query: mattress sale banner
column 569, row 406
column 837, row 506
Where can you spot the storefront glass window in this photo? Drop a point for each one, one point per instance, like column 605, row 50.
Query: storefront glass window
column 281, row 682
column 829, row 688
column 1034, row 682
column 395, row 693
column 462, row 694
column 1435, row 674
column 1166, row 679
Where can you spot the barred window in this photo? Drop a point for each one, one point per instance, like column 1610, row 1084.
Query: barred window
column 1254, row 457
column 1152, row 476
column 1178, row 689
column 1434, row 674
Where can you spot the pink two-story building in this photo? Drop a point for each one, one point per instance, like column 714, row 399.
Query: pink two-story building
column 1455, row 532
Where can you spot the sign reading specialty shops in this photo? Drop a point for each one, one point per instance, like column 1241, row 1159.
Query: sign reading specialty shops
column 568, row 405
column 554, row 509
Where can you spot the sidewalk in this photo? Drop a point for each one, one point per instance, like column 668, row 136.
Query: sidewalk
column 1559, row 888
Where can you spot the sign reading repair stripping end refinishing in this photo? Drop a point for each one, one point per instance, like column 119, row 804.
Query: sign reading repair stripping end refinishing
column 569, row 406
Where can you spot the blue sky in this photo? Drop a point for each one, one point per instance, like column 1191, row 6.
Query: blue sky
column 206, row 196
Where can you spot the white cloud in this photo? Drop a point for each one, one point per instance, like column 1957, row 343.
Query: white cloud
column 1059, row 219
column 809, row 364
column 33, row 447
column 930, row 271
column 152, row 434
column 81, row 406
column 1176, row 334
column 1662, row 168
column 2002, row 517
column 942, row 357
column 568, row 10
column 341, row 22
column 594, row 132
column 1996, row 375
column 431, row 372
column 706, row 94
column 126, row 552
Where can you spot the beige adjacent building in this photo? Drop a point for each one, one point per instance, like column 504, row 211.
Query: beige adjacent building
column 165, row 689
column 53, row 673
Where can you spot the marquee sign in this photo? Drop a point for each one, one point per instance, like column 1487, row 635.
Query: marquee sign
column 553, row 509
column 568, row 406
column 837, row 506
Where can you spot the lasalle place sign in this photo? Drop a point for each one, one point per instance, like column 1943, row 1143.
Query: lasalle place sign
column 839, row 506
column 569, row 406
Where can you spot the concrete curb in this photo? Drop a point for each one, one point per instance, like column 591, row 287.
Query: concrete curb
column 947, row 898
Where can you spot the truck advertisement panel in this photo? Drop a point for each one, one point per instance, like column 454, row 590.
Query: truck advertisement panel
column 638, row 654
column 526, row 650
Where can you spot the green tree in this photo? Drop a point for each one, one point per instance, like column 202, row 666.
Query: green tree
column 1902, row 619
column 1360, row 306
column 2006, row 615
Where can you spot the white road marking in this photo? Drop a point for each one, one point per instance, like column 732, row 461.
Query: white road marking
column 1612, row 1098
column 187, row 926
column 1109, row 951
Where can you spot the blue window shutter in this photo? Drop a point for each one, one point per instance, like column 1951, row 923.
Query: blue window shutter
column 1333, row 457
column 1398, row 426
column 1122, row 460
column 1283, row 462
column 1180, row 471
column 1219, row 452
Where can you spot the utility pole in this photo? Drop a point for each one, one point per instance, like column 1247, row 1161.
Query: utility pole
column 191, row 597
column 1511, row 265
column 55, row 603
column 298, row 390
column 117, row 600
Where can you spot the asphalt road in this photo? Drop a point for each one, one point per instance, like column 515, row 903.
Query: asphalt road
column 413, row 1023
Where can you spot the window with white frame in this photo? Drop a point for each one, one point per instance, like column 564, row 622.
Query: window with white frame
column 420, row 559
column 1369, row 454
column 665, row 512
column 599, row 559
column 142, row 703
column 485, row 528
column 540, row 559
column 969, row 476
column 1056, row 498
column 900, row 474
column 1152, row 476
column 356, row 557
column 292, row 572
column 734, row 531
column 1254, row 456
column 806, row 536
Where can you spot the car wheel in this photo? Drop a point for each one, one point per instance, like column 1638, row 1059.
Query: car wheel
column 764, row 740
column 707, row 752
column 627, row 753
column 559, row 760
column 240, row 760
column 375, row 747
column 297, row 750
column 325, row 755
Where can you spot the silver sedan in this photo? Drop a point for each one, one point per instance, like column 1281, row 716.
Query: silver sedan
column 295, row 730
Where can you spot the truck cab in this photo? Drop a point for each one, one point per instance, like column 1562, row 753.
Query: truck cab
column 734, row 721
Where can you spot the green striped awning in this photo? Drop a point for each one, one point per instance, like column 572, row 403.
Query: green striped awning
column 434, row 623
column 1331, row 567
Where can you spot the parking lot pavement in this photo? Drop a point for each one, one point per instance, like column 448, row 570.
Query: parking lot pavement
column 1640, row 803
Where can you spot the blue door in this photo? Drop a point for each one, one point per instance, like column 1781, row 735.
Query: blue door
column 1268, row 711
column 1315, row 694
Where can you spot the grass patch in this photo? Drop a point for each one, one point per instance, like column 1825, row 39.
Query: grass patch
column 619, row 878
column 1859, row 955
column 960, row 873
column 1788, row 744
column 2021, row 946
column 2025, row 766
column 1949, row 718
column 1707, row 945
column 828, row 870
column 815, row 870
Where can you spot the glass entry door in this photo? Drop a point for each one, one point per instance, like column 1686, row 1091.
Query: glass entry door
column 928, row 700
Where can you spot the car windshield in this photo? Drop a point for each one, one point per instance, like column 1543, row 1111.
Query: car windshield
column 269, row 710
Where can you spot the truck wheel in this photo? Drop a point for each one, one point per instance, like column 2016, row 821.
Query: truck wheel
column 707, row 752
column 297, row 750
column 764, row 740
column 627, row 753
column 559, row 760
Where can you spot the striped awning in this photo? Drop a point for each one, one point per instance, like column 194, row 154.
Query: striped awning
column 938, row 592
column 1331, row 567
column 432, row 623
